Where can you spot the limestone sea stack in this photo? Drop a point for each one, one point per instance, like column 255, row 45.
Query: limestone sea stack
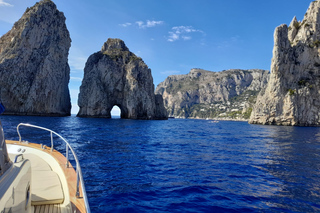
column 292, row 94
column 115, row 76
column 34, row 70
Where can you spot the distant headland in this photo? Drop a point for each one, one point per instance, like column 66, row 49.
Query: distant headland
column 202, row 94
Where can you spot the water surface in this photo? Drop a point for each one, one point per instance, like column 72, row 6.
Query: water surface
column 189, row 165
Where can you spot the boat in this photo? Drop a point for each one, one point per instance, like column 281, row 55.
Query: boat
column 37, row 178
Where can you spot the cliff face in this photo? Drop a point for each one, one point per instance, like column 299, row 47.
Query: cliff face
column 292, row 94
column 34, row 63
column 216, row 95
column 115, row 76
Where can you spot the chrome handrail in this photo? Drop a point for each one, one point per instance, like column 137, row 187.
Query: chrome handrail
column 78, row 168
column 16, row 158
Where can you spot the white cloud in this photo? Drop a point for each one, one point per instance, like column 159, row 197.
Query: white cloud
column 142, row 24
column 76, row 62
column 173, row 36
column 186, row 38
column 5, row 4
column 125, row 24
column 170, row 72
column 75, row 78
column 229, row 42
column 149, row 24
column 153, row 23
column 182, row 32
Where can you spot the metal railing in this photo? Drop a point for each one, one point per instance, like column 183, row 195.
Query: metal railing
column 78, row 168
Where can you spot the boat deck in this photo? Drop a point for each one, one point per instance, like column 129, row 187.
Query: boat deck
column 70, row 174
column 47, row 208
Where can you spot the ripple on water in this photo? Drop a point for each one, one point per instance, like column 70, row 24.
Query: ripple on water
column 190, row 165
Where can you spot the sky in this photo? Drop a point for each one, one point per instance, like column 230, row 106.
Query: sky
column 171, row 36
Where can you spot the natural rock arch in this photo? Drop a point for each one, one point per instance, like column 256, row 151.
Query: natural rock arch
column 115, row 112
column 115, row 76
column 123, row 111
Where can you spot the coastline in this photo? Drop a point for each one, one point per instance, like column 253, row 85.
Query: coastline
column 213, row 119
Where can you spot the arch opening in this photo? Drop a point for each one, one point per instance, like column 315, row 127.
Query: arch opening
column 115, row 112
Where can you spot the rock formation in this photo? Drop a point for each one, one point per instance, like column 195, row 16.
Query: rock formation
column 217, row 95
column 116, row 76
column 292, row 94
column 34, row 63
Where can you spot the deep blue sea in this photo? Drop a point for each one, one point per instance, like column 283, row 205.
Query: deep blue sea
column 189, row 165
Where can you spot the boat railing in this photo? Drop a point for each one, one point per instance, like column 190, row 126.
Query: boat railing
column 68, row 147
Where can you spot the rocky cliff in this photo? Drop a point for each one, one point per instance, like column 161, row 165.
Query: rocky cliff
column 116, row 76
column 292, row 94
column 217, row 95
column 34, row 63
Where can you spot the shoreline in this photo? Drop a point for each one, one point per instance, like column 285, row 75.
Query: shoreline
column 212, row 119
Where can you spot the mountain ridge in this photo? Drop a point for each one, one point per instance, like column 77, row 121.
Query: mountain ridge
column 228, row 94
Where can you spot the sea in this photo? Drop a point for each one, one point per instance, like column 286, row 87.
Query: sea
column 184, row 165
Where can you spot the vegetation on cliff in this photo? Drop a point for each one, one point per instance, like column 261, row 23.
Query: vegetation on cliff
column 202, row 94
column 292, row 94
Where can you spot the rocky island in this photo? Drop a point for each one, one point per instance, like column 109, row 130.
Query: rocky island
column 115, row 76
column 292, row 94
column 34, row 63
column 203, row 94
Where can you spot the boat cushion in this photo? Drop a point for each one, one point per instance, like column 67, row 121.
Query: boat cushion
column 45, row 184
column 37, row 163
column 46, row 188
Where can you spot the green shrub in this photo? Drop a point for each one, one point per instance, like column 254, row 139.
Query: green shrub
column 297, row 25
column 247, row 114
column 233, row 114
column 316, row 43
column 291, row 92
column 123, row 55
column 302, row 82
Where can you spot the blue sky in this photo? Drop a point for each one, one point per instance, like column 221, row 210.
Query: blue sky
column 171, row 36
